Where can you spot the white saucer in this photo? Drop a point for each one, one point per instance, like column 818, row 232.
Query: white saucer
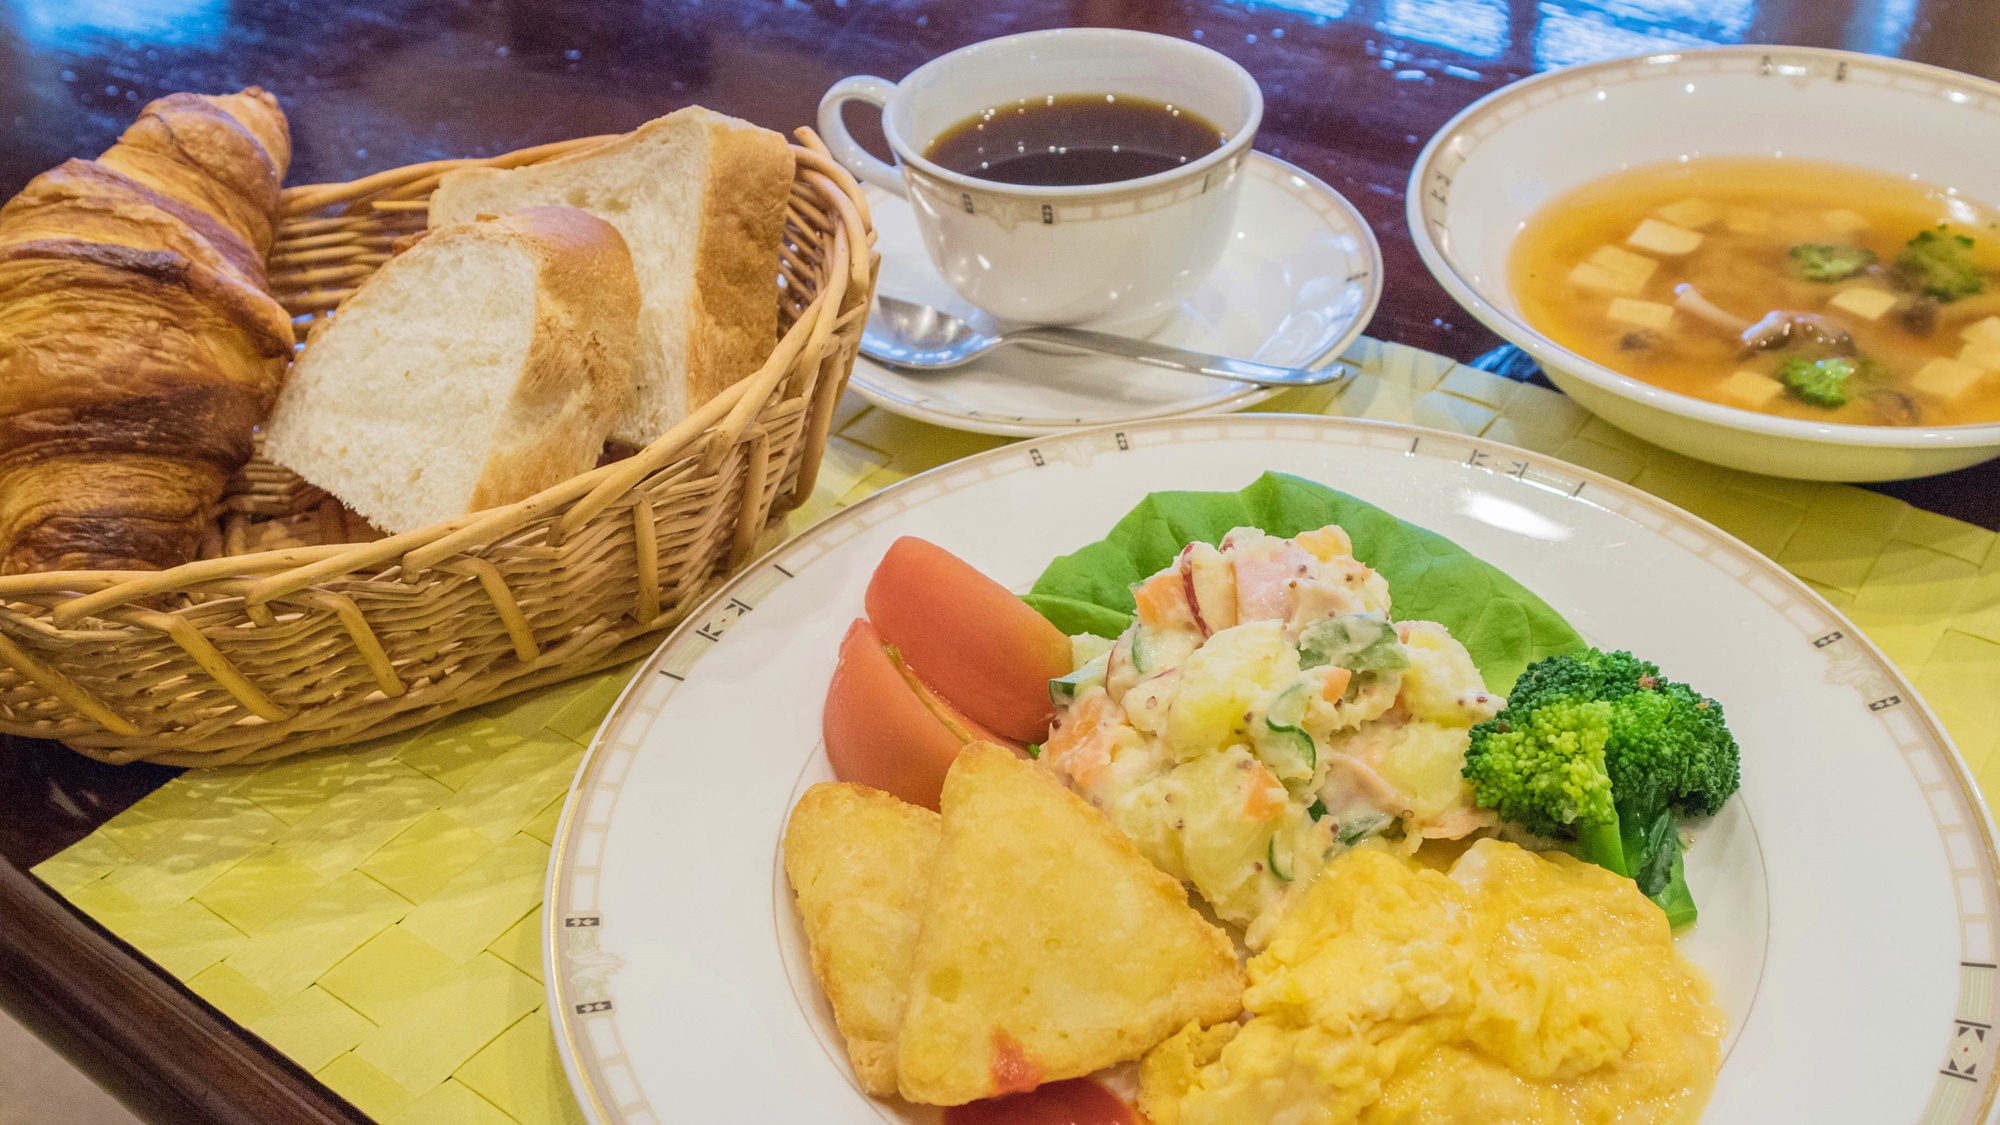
column 1295, row 288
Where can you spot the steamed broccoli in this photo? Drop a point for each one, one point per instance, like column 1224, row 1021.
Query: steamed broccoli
column 1817, row 261
column 1940, row 263
column 1600, row 749
column 1543, row 769
column 1821, row 382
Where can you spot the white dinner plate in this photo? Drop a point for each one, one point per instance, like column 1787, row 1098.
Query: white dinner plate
column 1296, row 286
column 1847, row 892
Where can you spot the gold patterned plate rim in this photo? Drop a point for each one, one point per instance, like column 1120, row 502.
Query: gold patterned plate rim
column 676, row 972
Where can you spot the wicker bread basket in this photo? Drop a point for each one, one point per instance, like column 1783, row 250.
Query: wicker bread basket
column 301, row 627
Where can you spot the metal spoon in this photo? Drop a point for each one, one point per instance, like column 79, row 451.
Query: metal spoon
column 906, row 334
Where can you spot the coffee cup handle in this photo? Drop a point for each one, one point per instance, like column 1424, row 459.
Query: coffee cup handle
column 859, row 88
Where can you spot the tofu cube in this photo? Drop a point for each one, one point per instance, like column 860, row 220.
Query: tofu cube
column 1864, row 302
column 1983, row 356
column 1985, row 331
column 1640, row 314
column 1751, row 389
column 1613, row 270
column 1597, row 279
column 1747, row 220
column 1663, row 238
column 1620, row 260
column 1693, row 214
column 1844, row 221
column 1946, row 378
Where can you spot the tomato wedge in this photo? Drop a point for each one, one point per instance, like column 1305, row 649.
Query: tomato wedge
column 969, row 637
column 884, row 728
column 1077, row 1101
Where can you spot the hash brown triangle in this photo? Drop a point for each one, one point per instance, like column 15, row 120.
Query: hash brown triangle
column 1050, row 948
column 860, row 862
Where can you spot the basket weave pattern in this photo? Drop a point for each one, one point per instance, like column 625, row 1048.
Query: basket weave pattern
column 303, row 627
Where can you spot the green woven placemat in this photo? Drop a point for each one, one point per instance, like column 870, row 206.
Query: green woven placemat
column 373, row 912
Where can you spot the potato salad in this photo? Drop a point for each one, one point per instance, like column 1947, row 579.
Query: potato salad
column 1264, row 713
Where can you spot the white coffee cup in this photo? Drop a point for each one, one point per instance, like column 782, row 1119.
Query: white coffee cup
column 1114, row 254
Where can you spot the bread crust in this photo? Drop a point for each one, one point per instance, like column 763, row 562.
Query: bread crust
column 139, row 346
column 732, row 318
column 735, row 326
column 572, row 383
column 580, row 356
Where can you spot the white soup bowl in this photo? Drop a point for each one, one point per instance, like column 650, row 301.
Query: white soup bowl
column 1496, row 163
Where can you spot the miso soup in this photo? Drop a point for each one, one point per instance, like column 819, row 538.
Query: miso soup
column 1785, row 286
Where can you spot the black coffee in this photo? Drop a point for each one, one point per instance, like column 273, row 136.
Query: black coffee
column 1070, row 139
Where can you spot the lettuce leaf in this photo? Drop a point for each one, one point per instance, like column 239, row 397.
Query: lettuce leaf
column 1430, row 578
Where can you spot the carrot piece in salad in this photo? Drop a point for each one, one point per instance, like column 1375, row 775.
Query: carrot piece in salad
column 1333, row 683
column 1162, row 601
column 1075, row 729
column 1263, row 797
column 1327, row 543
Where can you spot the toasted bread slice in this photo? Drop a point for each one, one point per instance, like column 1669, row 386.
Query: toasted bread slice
column 700, row 197
column 860, row 862
column 1050, row 947
column 477, row 368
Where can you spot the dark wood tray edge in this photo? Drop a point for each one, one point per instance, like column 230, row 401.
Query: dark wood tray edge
column 121, row 1020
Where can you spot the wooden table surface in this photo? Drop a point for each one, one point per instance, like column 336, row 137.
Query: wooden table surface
column 1353, row 90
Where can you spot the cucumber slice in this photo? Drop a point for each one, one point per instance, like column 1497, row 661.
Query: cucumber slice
column 1360, row 828
column 1288, row 751
column 1066, row 690
column 1144, row 654
column 1288, row 708
column 1086, row 647
column 1156, row 650
column 1360, row 642
column 1282, row 743
column 1295, row 755
column 1283, row 872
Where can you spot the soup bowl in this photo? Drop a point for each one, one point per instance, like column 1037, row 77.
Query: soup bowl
column 1493, row 165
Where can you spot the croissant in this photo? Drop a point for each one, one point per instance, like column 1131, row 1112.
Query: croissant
column 139, row 346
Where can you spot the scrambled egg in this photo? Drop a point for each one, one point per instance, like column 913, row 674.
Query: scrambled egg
column 1263, row 713
column 1518, row 988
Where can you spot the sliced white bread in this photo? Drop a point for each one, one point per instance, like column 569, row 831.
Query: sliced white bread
column 474, row 369
column 700, row 198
